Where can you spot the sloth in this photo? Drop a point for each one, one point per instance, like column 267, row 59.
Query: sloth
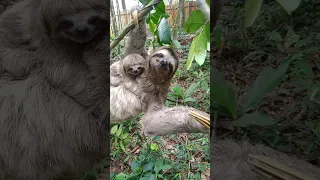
column 54, row 76
column 155, row 80
column 127, row 69
column 136, row 37
column 149, row 93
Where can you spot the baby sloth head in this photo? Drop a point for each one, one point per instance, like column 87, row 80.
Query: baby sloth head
column 76, row 20
column 134, row 65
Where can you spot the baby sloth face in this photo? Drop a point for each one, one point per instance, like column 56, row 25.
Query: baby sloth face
column 135, row 69
column 134, row 65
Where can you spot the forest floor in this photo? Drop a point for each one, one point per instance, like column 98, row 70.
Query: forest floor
column 274, row 38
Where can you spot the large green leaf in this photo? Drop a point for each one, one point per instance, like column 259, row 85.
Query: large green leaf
column 267, row 80
column 217, row 35
column 289, row 5
column 191, row 53
column 195, row 20
column 192, row 88
column 255, row 118
column 222, row 93
column 252, row 9
column 201, row 50
column 164, row 31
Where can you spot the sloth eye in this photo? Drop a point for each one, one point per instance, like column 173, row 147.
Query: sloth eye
column 65, row 24
column 160, row 55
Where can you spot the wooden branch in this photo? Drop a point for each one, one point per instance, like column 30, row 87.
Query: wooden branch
column 204, row 8
column 131, row 25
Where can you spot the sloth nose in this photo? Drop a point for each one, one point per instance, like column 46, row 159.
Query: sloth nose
column 82, row 31
column 163, row 62
column 135, row 71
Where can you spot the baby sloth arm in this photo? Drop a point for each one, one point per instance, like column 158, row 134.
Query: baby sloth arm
column 115, row 74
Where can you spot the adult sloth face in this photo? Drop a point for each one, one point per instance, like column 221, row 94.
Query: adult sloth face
column 164, row 63
column 77, row 21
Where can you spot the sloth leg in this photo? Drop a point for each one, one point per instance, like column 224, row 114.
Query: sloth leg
column 175, row 120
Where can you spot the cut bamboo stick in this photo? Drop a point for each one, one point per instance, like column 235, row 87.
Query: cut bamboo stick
column 204, row 121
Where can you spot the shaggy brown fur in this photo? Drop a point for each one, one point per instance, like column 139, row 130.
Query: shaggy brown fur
column 131, row 97
column 54, row 88
column 229, row 160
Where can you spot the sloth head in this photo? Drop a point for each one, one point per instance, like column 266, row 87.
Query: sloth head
column 134, row 65
column 77, row 21
column 163, row 63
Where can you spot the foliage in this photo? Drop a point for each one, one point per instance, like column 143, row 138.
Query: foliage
column 279, row 35
column 223, row 97
column 196, row 23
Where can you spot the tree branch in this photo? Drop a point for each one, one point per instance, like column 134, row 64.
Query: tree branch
column 131, row 25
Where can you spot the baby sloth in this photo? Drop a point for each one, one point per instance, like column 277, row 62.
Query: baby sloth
column 127, row 70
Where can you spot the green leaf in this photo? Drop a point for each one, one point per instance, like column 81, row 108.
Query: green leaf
column 274, row 35
column 122, row 147
column 119, row 131
column 134, row 166
column 217, row 36
column 178, row 91
column 167, row 166
column 120, row 176
column 201, row 50
column 189, row 99
column 191, row 53
column 154, row 147
column 198, row 50
column 114, row 129
column 256, row 118
column 148, row 167
column 164, row 31
column 158, row 166
column 222, row 93
column 214, row 107
column 207, row 30
column 252, row 9
column 149, row 177
column 192, row 88
column 133, row 177
column 195, row 20
column 289, row 5
column 123, row 136
column 267, row 80
column 177, row 44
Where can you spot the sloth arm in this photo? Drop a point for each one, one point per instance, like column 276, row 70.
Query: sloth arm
column 167, row 121
column 17, row 62
column 115, row 76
